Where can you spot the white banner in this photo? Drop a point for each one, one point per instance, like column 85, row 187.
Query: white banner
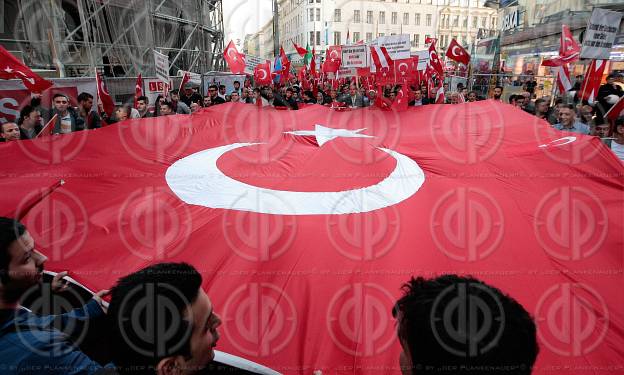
column 602, row 28
column 14, row 96
column 398, row 46
column 226, row 79
column 346, row 72
column 162, row 66
column 251, row 62
column 355, row 56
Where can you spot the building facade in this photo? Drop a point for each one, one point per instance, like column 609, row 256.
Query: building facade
column 322, row 23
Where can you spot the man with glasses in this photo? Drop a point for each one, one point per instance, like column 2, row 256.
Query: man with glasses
column 214, row 95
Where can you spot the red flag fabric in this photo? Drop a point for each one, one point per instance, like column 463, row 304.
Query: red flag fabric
column 107, row 101
column 457, row 53
column 440, row 95
column 401, row 102
column 313, row 71
column 569, row 49
column 616, row 110
column 48, row 129
column 333, row 59
column 403, row 70
column 138, row 89
column 564, row 83
column 12, row 68
column 429, row 40
column 591, row 82
column 285, row 73
column 300, row 50
column 185, row 79
column 381, row 58
column 262, row 74
column 215, row 195
column 434, row 61
column 234, row 59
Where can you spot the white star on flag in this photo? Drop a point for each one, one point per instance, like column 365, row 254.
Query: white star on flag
column 324, row 134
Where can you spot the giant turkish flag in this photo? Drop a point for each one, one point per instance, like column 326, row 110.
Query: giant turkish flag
column 306, row 223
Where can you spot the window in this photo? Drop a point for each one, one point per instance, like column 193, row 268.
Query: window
column 416, row 40
column 356, row 16
column 406, row 18
column 475, row 22
column 465, row 22
column 318, row 1
column 494, row 22
column 417, row 19
column 337, row 38
column 428, row 20
column 318, row 38
column 455, row 21
column 318, row 14
column 356, row 37
column 483, row 22
column 394, row 18
column 381, row 34
column 311, row 38
column 369, row 37
column 337, row 15
column 382, row 17
column 311, row 15
column 369, row 16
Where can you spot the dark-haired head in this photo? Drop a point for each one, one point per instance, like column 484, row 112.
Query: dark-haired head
column 182, row 333
column 499, row 332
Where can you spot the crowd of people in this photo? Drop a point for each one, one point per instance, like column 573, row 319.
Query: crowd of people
column 577, row 116
column 184, row 341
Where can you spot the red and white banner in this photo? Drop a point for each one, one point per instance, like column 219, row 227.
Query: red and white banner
column 564, row 84
column 591, row 82
column 305, row 265
column 14, row 96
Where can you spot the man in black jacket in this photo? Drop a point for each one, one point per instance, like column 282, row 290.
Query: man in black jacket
column 68, row 119
column 29, row 123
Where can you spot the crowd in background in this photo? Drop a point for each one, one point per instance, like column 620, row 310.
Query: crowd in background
column 575, row 116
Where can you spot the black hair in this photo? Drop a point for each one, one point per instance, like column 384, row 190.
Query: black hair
column 499, row 87
column 213, row 86
column 174, row 92
column 423, row 327
column 169, row 288
column 540, row 101
column 237, row 82
column 167, row 103
column 144, row 99
column 58, row 95
column 10, row 231
column 221, row 87
column 84, row 96
column 512, row 98
column 25, row 112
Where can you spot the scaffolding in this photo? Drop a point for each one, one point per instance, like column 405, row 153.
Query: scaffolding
column 115, row 37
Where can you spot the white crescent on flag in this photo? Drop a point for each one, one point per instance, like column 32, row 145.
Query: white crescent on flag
column 29, row 79
column 264, row 74
column 403, row 71
column 196, row 179
column 458, row 52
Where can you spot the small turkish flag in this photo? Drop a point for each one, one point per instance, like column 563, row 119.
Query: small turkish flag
column 434, row 61
column 138, row 89
column 569, row 49
column 457, row 53
column 12, row 68
column 185, row 79
column 403, row 69
column 401, row 101
column 333, row 59
column 48, row 129
column 616, row 110
column 262, row 74
column 105, row 98
column 235, row 60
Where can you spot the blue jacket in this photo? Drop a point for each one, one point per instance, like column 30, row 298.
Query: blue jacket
column 32, row 344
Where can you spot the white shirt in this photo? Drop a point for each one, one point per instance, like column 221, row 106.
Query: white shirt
column 618, row 150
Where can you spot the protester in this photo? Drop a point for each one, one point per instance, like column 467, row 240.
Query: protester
column 10, row 132
column 569, row 122
column 166, row 109
column 542, row 111
column 184, row 343
column 617, row 143
column 207, row 102
column 497, row 93
column 353, row 99
column 87, row 115
column 237, row 87
column 608, row 93
column 222, row 92
column 176, row 105
column 600, row 130
column 215, row 98
column 29, row 343
column 189, row 95
column 68, row 119
column 234, row 97
column 422, row 335
column 143, row 107
column 195, row 107
column 471, row 97
column 29, row 123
